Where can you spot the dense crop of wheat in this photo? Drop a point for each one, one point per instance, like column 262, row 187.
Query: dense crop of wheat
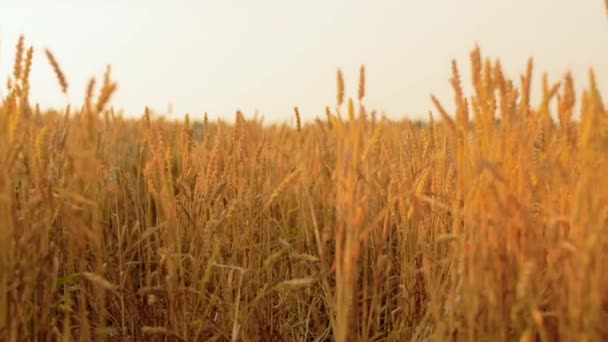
column 484, row 225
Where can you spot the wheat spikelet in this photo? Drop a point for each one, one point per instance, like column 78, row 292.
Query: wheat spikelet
column 462, row 112
column 108, row 88
column 351, row 110
column 205, row 124
column 595, row 93
column 328, row 116
column 25, row 79
column 526, row 83
column 239, row 136
column 295, row 283
column 282, row 186
column 88, row 97
column 427, row 141
column 186, row 152
column 214, row 159
column 499, row 78
column 40, row 143
column 503, row 91
column 476, row 66
column 444, row 115
column 18, row 65
column 147, row 119
column 567, row 101
column 298, row 121
column 488, row 85
column 373, row 141
column 433, row 130
column 339, row 88
column 361, row 93
column 14, row 118
column 63, row 83
column 260, row 150
column 98, row 280
column 104, row 97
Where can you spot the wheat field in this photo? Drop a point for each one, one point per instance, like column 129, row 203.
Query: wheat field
column 484, row 224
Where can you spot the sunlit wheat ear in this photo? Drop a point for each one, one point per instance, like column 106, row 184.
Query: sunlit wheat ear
column 361, row 93
column 214, row 158
column 462, row 115
column 260, row 150
column 18, row 66
column 147, row 119
column 25, row 79
column 107, row 90
column 476, row 66
column 41, row 143
column 298, row 120
column 63, row 83
column 186, row 156
column 444, row 115
column 239, row 135
column 566, row 102
column 339, row 88
column 373, row 141
column 88, row 97
column 282, row 186
column 351, row 110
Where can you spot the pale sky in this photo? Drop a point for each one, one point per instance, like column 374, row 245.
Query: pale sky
column 219, row 56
